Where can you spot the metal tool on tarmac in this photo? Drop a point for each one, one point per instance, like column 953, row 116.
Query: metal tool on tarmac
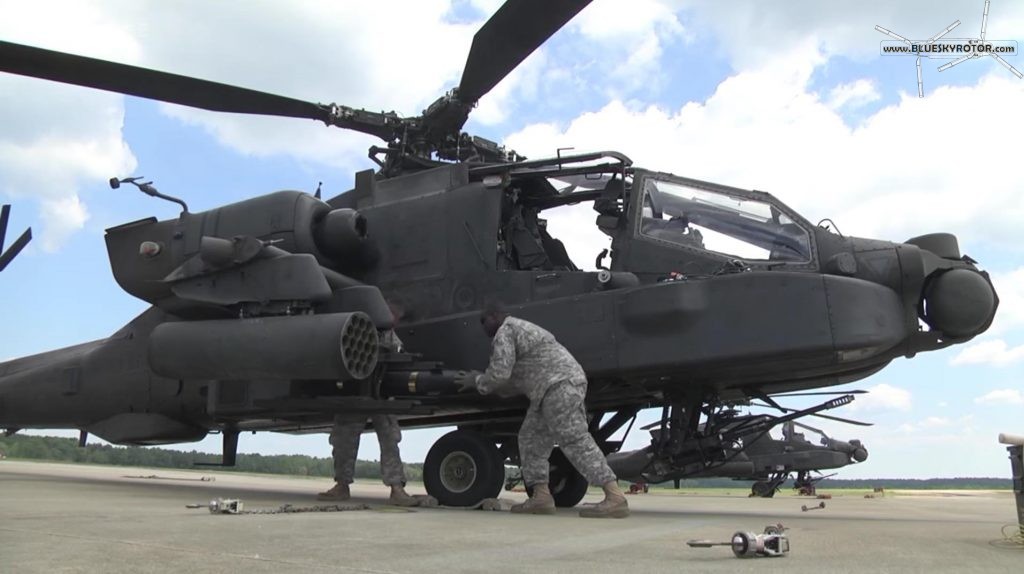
column 772, row 542
column 235, row 506
column 806, row 508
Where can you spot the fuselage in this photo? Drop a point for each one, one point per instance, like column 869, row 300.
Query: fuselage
column 795, row 306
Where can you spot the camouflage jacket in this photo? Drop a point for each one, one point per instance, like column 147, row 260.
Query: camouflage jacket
column 529, row 359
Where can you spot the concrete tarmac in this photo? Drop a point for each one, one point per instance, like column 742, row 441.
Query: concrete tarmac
column 78, row 518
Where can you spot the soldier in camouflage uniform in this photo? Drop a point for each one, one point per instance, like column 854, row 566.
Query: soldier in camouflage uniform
column 528, row 358
column 345, row 442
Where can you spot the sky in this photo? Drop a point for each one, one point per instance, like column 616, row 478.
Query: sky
column 790, row 97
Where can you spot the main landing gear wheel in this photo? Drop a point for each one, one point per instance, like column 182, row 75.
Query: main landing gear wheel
column 762, row 489
column 463, row 468
column 767, row 488
column 567, row 485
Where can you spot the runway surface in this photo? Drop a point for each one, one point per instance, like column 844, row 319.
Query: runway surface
column 76, row 518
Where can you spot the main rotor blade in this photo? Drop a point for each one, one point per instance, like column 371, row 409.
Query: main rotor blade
column 517, row 29
column 842, row 420
column 7, row 256
column 145, row 83
column 819, row 415
column 821, row 393
column 810, row 428
column 5, row 214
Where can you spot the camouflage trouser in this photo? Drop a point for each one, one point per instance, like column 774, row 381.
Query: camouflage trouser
column 345, row 440
column 560, row 418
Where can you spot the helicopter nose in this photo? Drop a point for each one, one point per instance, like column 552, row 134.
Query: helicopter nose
column 860, row 454
column 958, row 302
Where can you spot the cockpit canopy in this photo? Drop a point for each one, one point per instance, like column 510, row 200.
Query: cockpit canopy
column 698, row 217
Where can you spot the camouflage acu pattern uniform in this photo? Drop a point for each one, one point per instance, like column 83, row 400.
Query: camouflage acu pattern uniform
column 530, row 359
column 348, row 428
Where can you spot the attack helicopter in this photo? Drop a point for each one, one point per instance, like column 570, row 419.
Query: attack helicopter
column 769, row 462
column 265, row 313
column 751, row 452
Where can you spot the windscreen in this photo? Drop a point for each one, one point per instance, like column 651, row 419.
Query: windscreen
column 729, row 225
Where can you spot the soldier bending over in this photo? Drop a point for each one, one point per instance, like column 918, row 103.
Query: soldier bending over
column 530, row 359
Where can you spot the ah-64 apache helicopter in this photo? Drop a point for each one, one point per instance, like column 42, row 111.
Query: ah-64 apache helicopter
column 265, row 313
column 756, row 456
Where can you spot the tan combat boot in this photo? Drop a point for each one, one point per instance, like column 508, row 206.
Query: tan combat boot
column 399, row 497
column 338, row 492
column 540, row 503
column 614, row 504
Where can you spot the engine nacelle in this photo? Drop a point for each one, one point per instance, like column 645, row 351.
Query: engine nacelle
column 143, row 253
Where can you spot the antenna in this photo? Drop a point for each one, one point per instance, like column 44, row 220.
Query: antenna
column 147, row 188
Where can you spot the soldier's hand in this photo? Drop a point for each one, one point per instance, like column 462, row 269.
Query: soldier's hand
column 466, row 381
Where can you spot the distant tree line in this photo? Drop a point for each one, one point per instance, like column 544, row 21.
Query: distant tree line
column 67, row 450
column 864, row 483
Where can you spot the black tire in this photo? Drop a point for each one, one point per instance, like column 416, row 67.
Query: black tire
column 763, row 489
column 463, row 468
column 567, row 485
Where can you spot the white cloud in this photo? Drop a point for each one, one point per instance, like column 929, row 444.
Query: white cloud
column 58, row 141
column 63, row 217
column 754, row 32
column 996, row 353
column 312, row 50
column 1001, row 397
column 626, row 40
column 883, row 397
column 934, row 422
column 932, row 429
column 890, row 177
column 1010, row 288
column 853, row 95
column 518, row 87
